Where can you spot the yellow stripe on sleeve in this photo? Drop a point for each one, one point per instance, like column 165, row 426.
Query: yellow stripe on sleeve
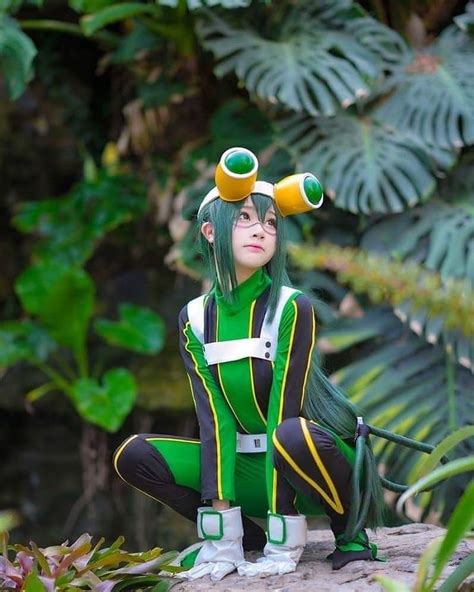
column 214, row 413
column 257, row 406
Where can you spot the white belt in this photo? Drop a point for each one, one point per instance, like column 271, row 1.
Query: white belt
column 249, row 443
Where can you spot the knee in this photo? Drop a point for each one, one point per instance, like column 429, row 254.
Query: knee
column 136, row 461
column 287, row 432
column 288, row 440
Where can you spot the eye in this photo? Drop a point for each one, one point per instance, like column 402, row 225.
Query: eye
column 272, row 222
column 244, row 216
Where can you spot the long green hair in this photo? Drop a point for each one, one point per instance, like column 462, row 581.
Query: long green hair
column 323, row 401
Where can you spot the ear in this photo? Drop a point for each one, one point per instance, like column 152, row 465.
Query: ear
column 208, row 231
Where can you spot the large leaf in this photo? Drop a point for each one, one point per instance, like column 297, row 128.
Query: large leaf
column 139, row 329
column 195, row 4
column 23, row 340
column 434, row 92
column 363, row 165
column 308, row 67
column 71, row 227
column 410, row 387
column 62, row 298
column 106, row 404
column 441, row 237
column 17, row 52
column 108, row 15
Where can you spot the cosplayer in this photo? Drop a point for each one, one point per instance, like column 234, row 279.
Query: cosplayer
column 276, row 437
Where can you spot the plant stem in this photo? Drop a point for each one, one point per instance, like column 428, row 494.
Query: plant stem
column 58, row 380
column 451, row 388
column 69, row 28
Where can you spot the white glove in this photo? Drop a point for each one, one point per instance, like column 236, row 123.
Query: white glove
column 222, row 550
column 287, row 536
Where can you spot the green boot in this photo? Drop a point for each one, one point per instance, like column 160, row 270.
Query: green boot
column 357, row 549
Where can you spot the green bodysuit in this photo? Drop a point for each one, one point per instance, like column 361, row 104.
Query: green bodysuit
column 253, row 396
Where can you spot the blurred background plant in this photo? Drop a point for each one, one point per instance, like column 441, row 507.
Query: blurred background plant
column 113, row 115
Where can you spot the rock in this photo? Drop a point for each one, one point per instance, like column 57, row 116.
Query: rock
column 402, row 546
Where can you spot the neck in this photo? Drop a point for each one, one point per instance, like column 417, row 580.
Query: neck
column 243, row 273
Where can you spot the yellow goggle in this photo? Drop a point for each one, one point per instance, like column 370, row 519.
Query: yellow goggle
column 236, row 178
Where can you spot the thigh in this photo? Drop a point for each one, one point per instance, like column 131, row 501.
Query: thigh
column 183, row 457
column 250, row 485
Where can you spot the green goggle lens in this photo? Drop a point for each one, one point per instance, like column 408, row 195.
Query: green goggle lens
column 313, row 189
column 239, row 163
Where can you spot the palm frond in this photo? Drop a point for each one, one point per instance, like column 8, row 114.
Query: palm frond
column 405, row 385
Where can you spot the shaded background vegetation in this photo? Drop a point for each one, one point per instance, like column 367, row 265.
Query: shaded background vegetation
column 112, row 117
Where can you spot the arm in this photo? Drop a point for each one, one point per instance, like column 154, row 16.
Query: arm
column 216, row 422
column 296, row 339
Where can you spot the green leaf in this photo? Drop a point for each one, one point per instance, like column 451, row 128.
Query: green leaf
column 439, row 236
column 307, row 68
column 461, row 521
column 196, row 4
column 392, row 585
column 139, row 329
column 17, row 52
column 90, row 5
column 70, row 227
column 425, row 562
column 364, row 166
column 62, row 298
column 455, row 467
column 23, row 340
column 457, row 577
column 33, row 583
column 434, row 92
column 105, row 405
column 111, row 14
column 443, row 448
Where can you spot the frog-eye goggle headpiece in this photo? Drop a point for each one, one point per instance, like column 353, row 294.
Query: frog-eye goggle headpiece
column 236, row 178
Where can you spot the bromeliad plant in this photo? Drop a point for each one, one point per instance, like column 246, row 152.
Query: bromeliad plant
column 82, row 566
column 58, row 298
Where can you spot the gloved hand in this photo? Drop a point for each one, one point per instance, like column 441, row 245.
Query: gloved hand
column 222, row 550
column 287, row 536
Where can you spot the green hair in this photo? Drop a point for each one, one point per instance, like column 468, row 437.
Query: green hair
column 323, row 401
column 218, row 256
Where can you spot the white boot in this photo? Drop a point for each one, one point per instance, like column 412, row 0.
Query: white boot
column 287, row 536
column 222, row 550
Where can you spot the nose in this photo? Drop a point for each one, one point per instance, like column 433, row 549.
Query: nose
column 258, row 229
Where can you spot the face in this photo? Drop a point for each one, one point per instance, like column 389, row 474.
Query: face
column 253, row 242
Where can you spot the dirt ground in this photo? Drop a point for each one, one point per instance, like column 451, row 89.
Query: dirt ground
column 402, row 546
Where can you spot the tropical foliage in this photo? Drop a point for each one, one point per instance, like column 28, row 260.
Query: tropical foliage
column 383, row 115
column 82, row 565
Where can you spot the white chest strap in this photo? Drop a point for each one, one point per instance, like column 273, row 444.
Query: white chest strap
column 263, row 347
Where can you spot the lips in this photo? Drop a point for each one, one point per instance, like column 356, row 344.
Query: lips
column 255, row 247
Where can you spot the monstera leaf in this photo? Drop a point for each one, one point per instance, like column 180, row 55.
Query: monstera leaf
column 405, row 385
column 363, row 165
column 308, row 67
column 433, row 94
column 441, row 237
column 17, row 52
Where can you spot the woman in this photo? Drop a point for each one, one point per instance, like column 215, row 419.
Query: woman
column 276, row 438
